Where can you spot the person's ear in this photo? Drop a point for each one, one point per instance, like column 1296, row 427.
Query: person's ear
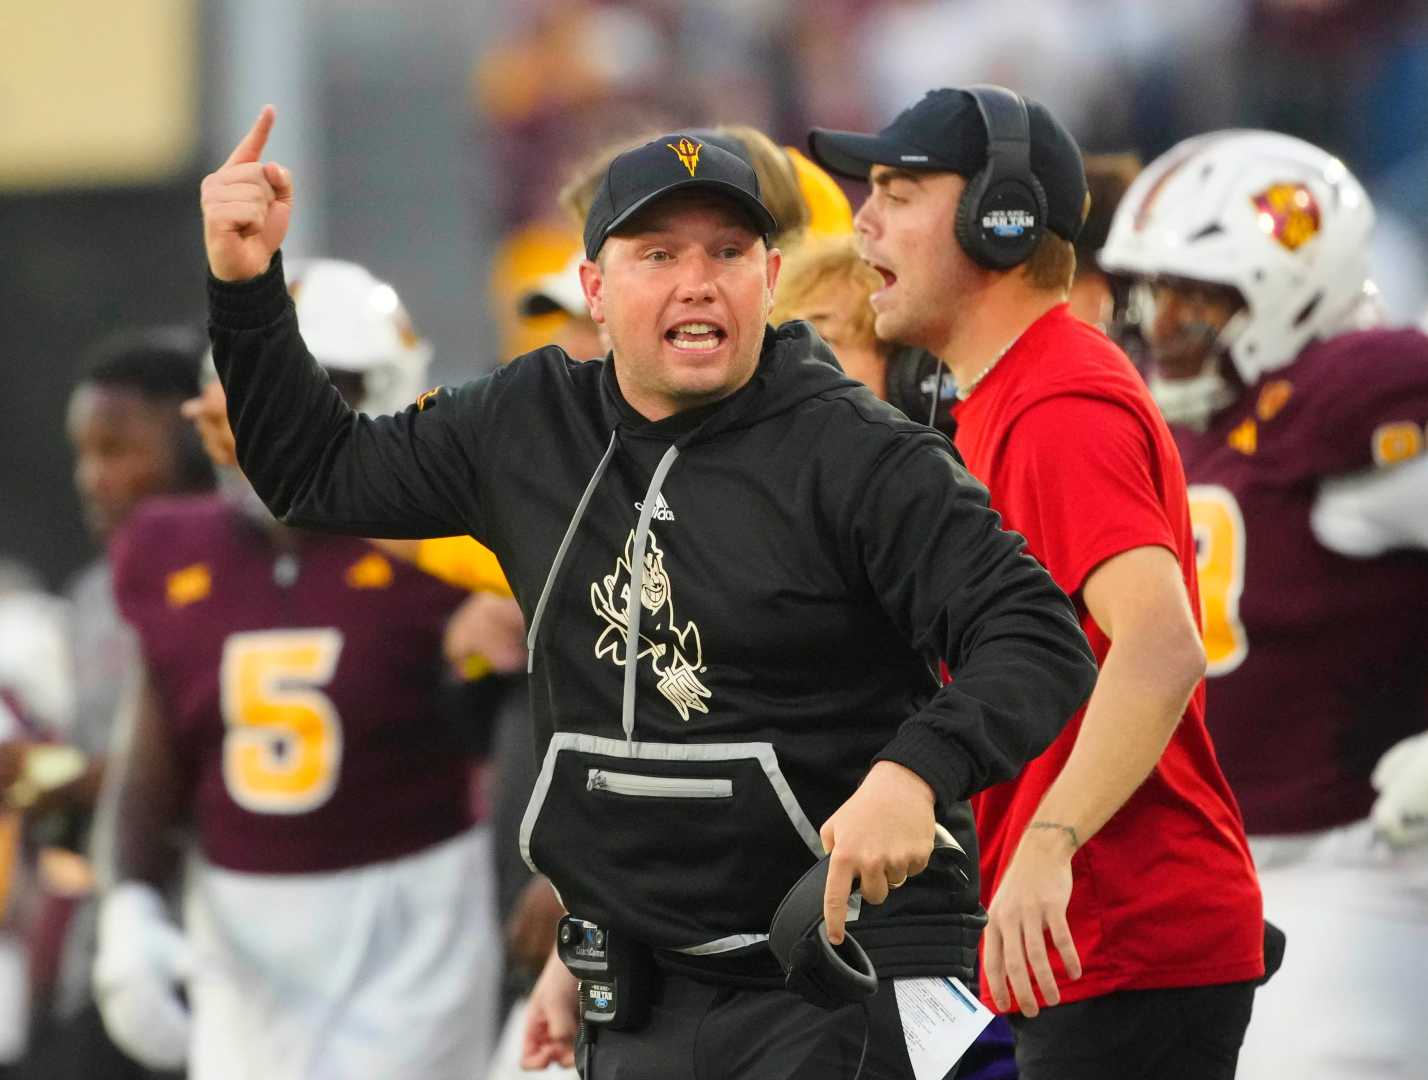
column 592, row 284
column 774, row 264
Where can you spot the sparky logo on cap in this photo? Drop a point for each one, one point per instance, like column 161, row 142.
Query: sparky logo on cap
column 1288, row 214
column 687, row 150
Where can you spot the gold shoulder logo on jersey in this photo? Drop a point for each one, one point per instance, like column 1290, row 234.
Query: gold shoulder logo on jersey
column 1272, row 399
column 1288, row 214
column 675, row 652
column 1245, row 437
column 424, row 399
column 687, row 150
column 371, row 571
column 189, row 585
column 1396, row 442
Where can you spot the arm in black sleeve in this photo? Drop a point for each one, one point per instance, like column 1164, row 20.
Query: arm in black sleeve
column 312, row 459
column 964, row 590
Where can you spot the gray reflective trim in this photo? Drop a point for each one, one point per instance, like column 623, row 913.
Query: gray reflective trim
column 634, row 607
column 740, row 941
column 723, row 945
column 550, row 577
column 762, row 752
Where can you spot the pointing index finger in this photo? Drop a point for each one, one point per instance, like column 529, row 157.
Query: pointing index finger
column 835, row 898
column 250, row 148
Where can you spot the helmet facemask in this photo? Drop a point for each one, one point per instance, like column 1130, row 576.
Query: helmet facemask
column 1187, row 331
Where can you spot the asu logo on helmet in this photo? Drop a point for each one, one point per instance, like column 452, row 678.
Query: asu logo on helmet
column 1288, row 214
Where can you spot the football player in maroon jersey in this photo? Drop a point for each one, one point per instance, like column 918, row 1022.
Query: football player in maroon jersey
column 1301, row 424
column 338, row 906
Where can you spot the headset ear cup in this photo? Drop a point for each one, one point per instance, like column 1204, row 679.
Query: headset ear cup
column 805, row 963
column 828, row 976
column 1016, row 211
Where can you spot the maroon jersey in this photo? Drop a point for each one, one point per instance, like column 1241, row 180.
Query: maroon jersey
column 1317, row 662
column 299, row 689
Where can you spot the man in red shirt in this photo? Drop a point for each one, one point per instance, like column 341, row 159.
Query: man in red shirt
column 1115, row 867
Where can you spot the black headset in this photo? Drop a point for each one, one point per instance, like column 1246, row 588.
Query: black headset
column 831, row 975
column 1002, row 212
column 825, row 974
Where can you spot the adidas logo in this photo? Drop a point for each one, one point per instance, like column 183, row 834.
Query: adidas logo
column 662, row 512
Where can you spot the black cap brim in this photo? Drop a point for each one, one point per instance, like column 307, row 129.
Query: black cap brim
column 757, row 211
column 851, row 154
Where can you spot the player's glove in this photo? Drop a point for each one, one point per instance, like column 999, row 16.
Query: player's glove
column 142, row 959
column 1400, row 814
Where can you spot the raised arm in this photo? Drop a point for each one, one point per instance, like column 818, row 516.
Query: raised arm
column 313, row 460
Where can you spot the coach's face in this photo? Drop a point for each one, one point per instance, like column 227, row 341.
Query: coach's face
column 685, row 293
column 906, row 231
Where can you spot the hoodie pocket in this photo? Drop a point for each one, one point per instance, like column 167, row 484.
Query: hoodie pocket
column 642, row 786
column 685, row 847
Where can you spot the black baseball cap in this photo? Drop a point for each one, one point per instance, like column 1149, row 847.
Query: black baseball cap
column 945, row 132
column 678, row 162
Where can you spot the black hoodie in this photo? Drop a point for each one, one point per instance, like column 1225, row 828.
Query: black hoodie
column 810, row 555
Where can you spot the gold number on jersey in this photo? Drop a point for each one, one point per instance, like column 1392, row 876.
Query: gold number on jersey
column 1220, row 557
column 283, row 743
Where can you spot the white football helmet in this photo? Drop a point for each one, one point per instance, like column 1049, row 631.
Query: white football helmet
column 352, row 322
column 1281, row 221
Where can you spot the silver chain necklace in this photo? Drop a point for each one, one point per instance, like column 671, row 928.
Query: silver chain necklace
column 964, row 392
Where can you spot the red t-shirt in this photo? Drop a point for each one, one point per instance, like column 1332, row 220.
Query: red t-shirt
column 1079, row 461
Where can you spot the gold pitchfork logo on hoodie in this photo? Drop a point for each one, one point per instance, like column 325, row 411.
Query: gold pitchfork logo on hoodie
column 687, row 150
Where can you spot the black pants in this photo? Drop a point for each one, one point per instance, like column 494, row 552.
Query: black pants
column 702, row 1032
column 1182, row 1034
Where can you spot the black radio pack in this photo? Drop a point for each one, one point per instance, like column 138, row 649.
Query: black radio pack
column 614, row 972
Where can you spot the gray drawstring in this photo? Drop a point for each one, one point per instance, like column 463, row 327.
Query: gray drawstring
column 633, row 605
column 564, row 547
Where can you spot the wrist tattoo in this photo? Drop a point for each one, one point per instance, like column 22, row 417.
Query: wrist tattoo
column 1067, row 829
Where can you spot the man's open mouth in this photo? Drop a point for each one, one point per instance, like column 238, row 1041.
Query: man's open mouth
column 695, row 336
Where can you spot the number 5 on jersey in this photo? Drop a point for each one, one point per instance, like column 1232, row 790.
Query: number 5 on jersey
column 283, row 741
column 1220, row 559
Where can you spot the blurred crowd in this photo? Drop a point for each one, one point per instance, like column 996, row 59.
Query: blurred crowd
column 567, row 76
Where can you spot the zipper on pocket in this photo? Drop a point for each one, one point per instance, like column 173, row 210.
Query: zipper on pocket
column 658, row 787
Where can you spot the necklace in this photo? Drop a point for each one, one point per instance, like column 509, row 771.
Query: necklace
column 964, row 392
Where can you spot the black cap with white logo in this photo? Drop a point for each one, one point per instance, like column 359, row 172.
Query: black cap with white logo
column 945, row 132
column 665, row 165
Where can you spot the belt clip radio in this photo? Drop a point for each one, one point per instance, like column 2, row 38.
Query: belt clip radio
column 615, row 973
